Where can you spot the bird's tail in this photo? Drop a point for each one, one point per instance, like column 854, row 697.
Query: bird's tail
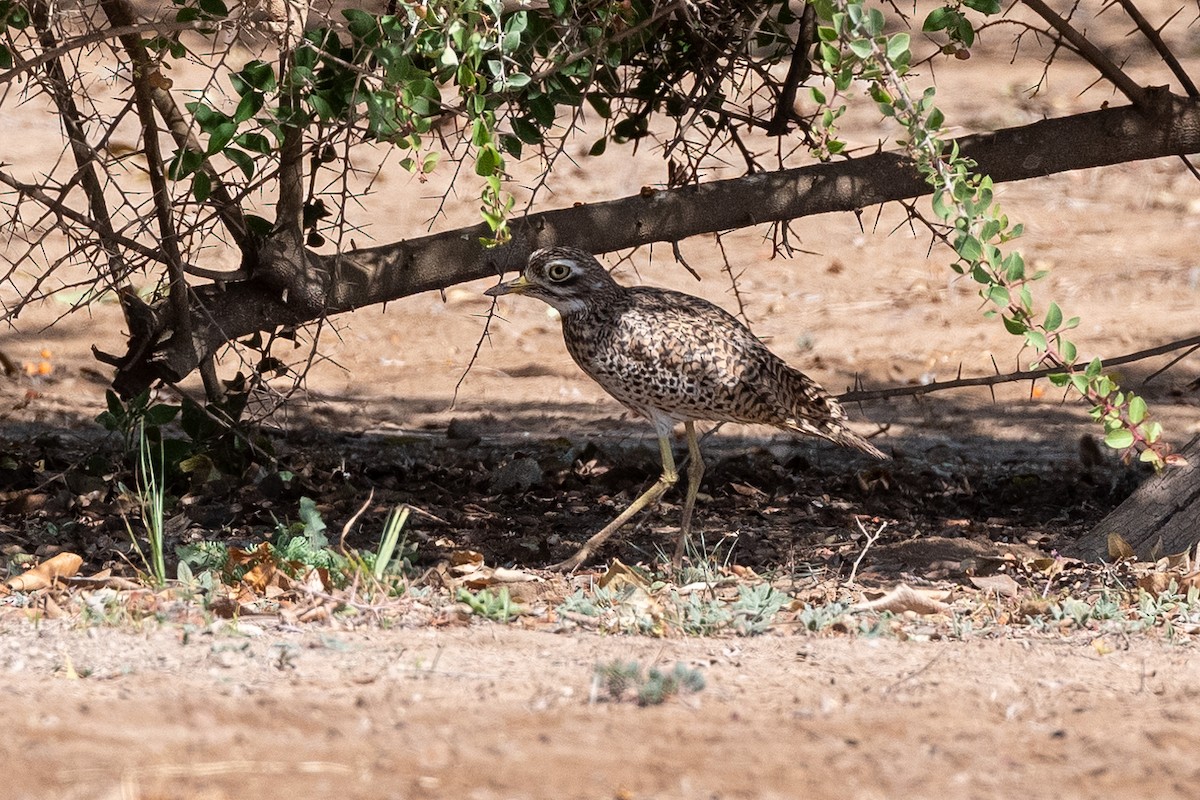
column 814, row 411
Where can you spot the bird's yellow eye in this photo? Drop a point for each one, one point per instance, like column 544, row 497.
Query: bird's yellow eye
column 558, row 271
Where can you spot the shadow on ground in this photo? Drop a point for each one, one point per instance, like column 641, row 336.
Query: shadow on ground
column 525, row 483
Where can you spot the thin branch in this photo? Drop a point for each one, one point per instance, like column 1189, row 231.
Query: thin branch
column 95, row 37
column 1092, row 54
column 1164, row 52
column 859, row 395
column 85, row 155
column 798, row 72
column 143, row 70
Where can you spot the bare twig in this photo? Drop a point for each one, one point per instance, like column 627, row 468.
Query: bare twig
column 872, row 537
column 350, row 522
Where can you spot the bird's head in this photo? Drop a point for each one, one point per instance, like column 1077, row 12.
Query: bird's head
column 565, row 277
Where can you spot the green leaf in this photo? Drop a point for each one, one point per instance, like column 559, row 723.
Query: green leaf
column 221, row 136
column 1152, row 431
column 1119, row 439
column 600, row 103
column 214, row 8
column 201, row 186
column 969, row 248
column 526, row 131
column 250, row 104
column 6, row 59
column 256, row 75
column 254, row 142
column 1094, row 368
column 488, row 161
column 598, row 147
column 1037, row 340
column 1080, row 383
column 1137, row 410
column 860, row 48
column 998, row 295
column 1059, row 378
column 897, row 47
column 940, row 209
column 1014, row 266
column 1067, row 348
column 1054, row 317
column 1149, row 456
column 939, row 19
column 184, row 163
column 161, row 414
column 984, row 6
column 1014, row 326
column 430, row 162
column 244, row 161
column 314, row 526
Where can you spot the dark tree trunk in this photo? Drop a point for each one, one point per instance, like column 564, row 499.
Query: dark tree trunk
column 1161, row 517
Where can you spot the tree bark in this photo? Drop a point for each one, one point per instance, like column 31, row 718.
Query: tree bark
column 1161, row 517
column 224, row 312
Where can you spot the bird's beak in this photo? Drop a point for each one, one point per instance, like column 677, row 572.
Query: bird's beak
column 517, row 285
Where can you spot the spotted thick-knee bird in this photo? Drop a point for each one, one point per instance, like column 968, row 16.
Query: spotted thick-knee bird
column 673, row 358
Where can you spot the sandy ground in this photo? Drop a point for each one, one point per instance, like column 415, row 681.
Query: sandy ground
column 500, row 713
column 490, row 711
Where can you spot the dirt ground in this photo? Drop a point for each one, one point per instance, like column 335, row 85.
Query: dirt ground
column 484, row 710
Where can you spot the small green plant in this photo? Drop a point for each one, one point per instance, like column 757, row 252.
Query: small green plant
column 496, row 606
column 755, row 609
column 622, row 679
column 149, row 495
column 819, row 618
column 304, row 542
column 698, row 614
column 389, row 541
column 214, row 444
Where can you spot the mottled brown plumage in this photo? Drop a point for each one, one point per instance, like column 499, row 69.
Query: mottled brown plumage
column 672, row 358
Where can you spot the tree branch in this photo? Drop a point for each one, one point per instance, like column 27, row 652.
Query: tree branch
column 84, row 154
column 378, row 274
column 1164, row 52
column 121, row 17
column 862, row 395
column 1092, row 54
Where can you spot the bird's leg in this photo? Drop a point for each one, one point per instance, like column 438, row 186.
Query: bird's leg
column 695, row 473
column 665, row 481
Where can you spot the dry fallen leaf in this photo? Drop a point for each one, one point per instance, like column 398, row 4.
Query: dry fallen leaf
column 46, row 574
column 1119, row 549
column 1001, row 584
column 905, row 598
column 620, row 574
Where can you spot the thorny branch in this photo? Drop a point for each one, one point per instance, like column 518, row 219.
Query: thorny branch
column 861, row 395
column 1092, row 54
column 1152, row 34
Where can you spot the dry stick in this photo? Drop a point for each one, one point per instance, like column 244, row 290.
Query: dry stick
column 350, row 522
column 1010, row 377
column 871, row 539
